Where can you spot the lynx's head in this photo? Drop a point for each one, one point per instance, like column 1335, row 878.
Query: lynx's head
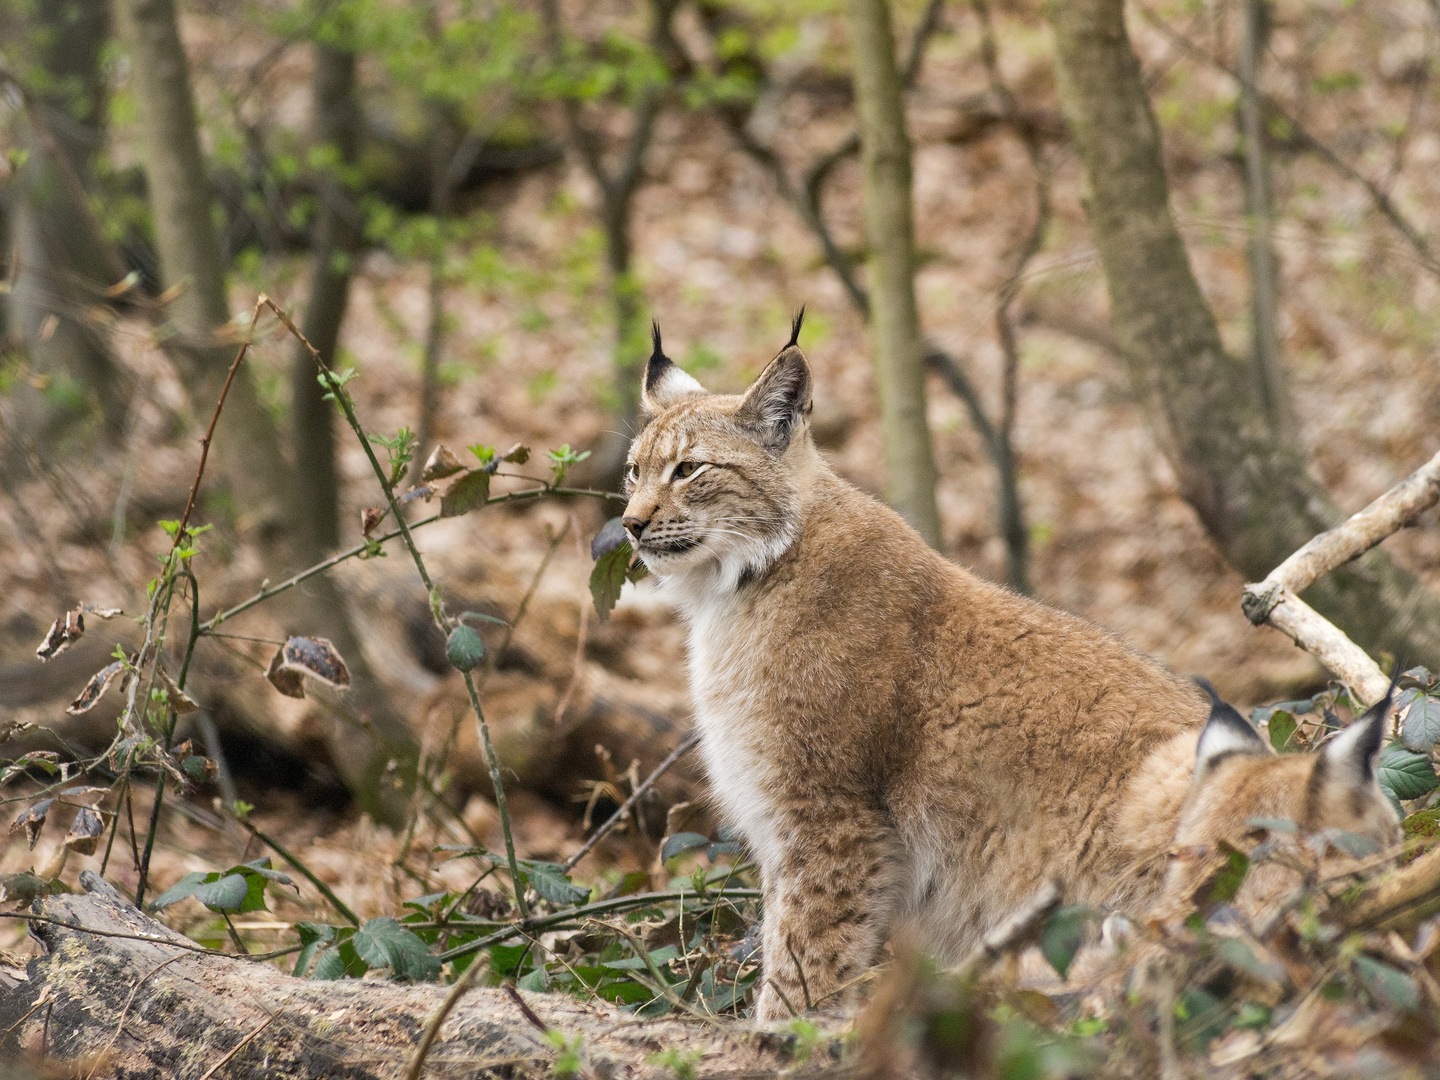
column 715, row 480
column 1238, row 778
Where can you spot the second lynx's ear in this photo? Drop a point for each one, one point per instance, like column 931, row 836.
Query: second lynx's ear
column 1225, row 733
column 1350, row 756
column 665, row 384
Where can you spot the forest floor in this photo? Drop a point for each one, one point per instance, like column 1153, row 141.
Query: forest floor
column 724, row 264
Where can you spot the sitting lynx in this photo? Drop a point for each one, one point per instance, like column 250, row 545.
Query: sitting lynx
column 902, row 744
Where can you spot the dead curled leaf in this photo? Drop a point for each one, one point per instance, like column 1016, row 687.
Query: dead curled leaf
column 441, row 463
column 286, row 680
column 302, row 657
column 95, row 688
column 85, row 831
column 180, row 701
column 64, row 631
column 371, row 516
column 70, row 628
column 32, row 821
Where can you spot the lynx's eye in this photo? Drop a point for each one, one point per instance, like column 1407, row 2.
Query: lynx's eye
column 684, row 469
column 632, row 473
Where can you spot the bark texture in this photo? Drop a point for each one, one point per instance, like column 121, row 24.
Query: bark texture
column 1248, row 484
column 337, row 240
column 59, row 267
column 111, row 995
column 247, row 445
column 890, row 236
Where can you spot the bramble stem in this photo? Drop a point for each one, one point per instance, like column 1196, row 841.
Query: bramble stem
column 437, row 604
column 361, row 549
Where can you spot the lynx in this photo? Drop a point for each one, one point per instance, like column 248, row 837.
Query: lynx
column 904, row 746
column 1239, row 779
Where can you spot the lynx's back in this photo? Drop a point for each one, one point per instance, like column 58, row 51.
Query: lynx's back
column 900, row 742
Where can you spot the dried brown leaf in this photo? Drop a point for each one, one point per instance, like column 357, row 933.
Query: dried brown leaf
column 95, row 688
column 518, row 454
column 468, row 492
column 101, row 612
column 32, row 821
column 64, row 631
column 371, row 516
column 317, row 658
column 85, row 831
column 441, row 463
column 180, row 701
column 288, row 681
column 11, row 728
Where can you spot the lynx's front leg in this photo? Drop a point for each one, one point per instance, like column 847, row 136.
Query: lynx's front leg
column 828, row 907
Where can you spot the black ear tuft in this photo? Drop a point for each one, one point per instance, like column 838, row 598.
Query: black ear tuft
column 664, row 384
column 1225, row 733
column 795, row 327
column 658, row 360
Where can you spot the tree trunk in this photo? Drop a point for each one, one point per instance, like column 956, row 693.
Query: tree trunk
column 890, row 236
column 337, row 241
column 1248, row 484
column 60, row 268
column 247, row 447
column 1259, row 214
column 160, row 1011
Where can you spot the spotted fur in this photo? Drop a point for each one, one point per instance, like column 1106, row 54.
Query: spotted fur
column 903, row 745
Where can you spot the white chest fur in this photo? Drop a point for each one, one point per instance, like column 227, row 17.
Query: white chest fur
column 730, row 713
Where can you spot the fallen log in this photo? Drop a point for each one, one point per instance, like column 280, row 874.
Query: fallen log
column 123, row 996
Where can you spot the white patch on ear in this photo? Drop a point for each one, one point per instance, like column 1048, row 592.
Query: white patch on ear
column 1227, row 732
column 670, row 387
column 1352, row 753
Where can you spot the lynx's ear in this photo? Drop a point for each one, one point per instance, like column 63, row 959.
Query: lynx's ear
column 664, row 383
column 1226, row 733
column 779, row 400
column 1350, row 756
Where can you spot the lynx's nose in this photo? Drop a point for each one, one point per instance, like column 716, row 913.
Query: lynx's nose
column 634, row 526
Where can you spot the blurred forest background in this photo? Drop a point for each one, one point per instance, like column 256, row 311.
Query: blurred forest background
column 478, row 206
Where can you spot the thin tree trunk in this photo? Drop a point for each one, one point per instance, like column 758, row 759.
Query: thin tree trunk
column 337, row 241
column 890, row 235
column 1264, row 274
column 617, row 193
column 59, row 269
column 246, row 443
column 1247, row 484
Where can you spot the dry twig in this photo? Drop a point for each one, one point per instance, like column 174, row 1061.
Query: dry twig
column 1274, row 600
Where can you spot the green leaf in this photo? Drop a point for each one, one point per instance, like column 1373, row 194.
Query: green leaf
column 536, row 982
column 1273, row 824
column 608, row 578
column 1237, row 953
column 186, row 886
column 465, row 648
column 470, row 491
column 551, row 882
column 233, row 893
column 1282, row 725
column 1227, row 881
column 1064, row 933
column 1404, row 774
column 1387, row 983
column 339, row 962
column 1421, row 729
column 312, row 937
column 681, row 843
column 383, row 942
